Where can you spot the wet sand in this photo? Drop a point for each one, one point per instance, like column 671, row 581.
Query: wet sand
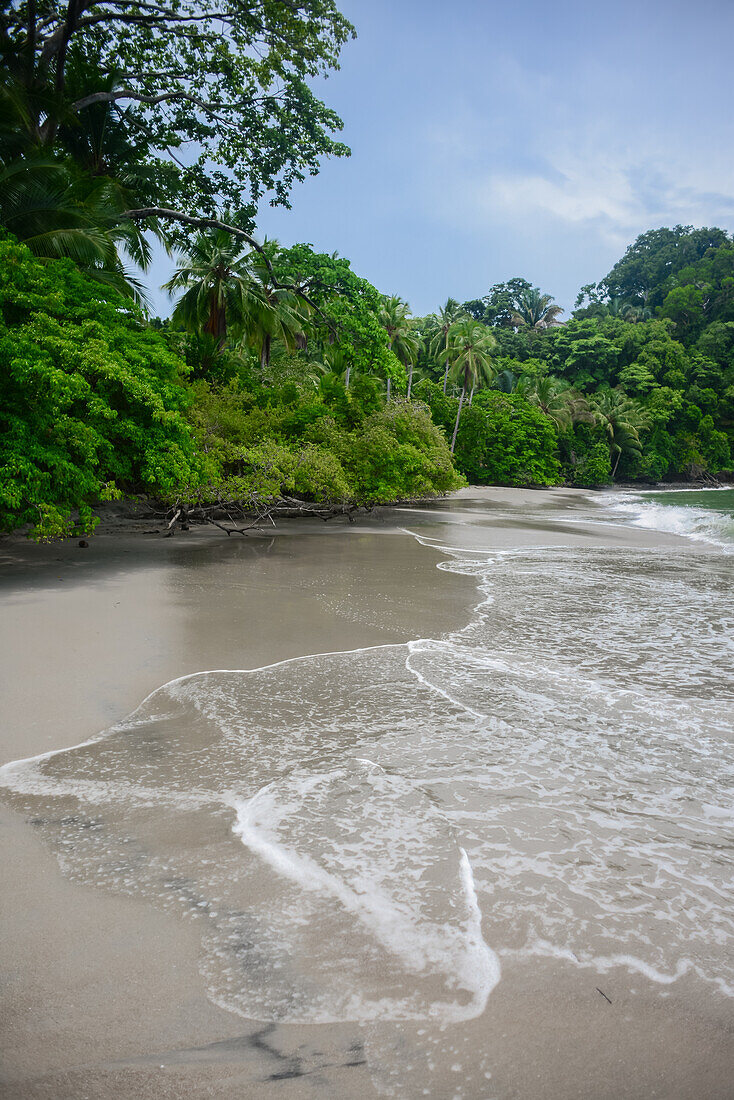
column 101, row 994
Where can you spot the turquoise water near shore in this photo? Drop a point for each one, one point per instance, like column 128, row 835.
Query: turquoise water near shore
column 706, row 515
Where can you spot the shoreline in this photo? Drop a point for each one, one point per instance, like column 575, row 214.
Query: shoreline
column 147, row 994
column 116, row 1007
column 132, row 517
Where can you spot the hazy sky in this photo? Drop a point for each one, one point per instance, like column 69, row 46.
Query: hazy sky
column 497, row 139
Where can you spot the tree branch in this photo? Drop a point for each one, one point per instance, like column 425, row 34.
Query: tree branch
column 214, row 223
column 152, row 100
column 151, row 19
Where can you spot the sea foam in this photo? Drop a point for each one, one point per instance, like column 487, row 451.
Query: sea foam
column 708, row 525
column 360, row 835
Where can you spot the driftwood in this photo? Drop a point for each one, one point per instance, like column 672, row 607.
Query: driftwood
column 241, row 517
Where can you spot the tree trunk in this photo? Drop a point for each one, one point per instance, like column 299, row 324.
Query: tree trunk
column 471, row 395
column 49, row 128
column 410, row 380
column 346, row 380
column 619, row 455
column 216, row 324
column 265, row 352
column 389, row 348
column 458, row 416
column 446, row 372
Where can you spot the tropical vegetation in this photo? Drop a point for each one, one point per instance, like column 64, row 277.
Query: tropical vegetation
column 282, row 377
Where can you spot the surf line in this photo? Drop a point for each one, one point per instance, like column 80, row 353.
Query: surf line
column 8, row 769
column 479, row 969
column 434, row 687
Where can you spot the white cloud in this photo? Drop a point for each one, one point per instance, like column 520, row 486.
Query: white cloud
column 614, row 195
column 574, row 193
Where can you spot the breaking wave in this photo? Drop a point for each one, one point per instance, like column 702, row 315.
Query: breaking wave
column 679, row 512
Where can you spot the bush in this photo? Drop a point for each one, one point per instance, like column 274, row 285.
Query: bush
column 400, row 454
column 393, row 452
column 593, row 467
column 518, row 443
column 502, row 438
column 585, row 456
column 91, row 400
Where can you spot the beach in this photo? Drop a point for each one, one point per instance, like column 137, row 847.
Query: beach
column 106, row 988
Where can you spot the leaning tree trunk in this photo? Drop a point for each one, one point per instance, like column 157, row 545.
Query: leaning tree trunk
column 458, row 417
column 471, row 395
column 410, row 380
column 619, row 455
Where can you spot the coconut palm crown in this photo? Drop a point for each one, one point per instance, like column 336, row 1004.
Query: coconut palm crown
column 557, row 399
column 447, row 316
column 58, row 212
column 402, row 340
column 220, row 292
column 622, row 420
column 469, row 354
column 278, row 313
column 535, row 310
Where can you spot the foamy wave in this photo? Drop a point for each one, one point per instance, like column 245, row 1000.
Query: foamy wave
column 351, row 830
column 414, row 897
column 699, row 524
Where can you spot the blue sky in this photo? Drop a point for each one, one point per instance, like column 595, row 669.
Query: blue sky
column 498, row 139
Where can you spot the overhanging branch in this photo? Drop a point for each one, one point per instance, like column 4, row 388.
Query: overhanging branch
column 165, row 214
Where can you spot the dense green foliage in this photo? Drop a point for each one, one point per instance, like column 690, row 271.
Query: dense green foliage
column 95, row 402
column 253, row 393
column 501, row 440
column 130, row 90
column 334, row 446
column 91, row 398
column 639, row 383
column 282, row 373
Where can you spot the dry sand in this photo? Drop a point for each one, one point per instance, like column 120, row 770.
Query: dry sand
column 101, row 995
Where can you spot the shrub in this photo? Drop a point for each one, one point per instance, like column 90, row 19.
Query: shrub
column 393, row 452
column 91, row 400
column 502, row 438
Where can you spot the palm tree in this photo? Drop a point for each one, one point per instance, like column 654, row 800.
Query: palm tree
column 58, row 212
column 505, row 382
column 469, row 352
column 395, row 319
column 336, row 360
column 535, row 310
column 556, row 398
column 622, row 420
column 220, row 288
column 635, row 314
column 447, row 316
column 278, row 314
column 73, row 204
column 615, row 307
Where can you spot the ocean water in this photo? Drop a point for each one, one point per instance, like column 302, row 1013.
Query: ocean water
column 705, row 515
column 375, row 835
